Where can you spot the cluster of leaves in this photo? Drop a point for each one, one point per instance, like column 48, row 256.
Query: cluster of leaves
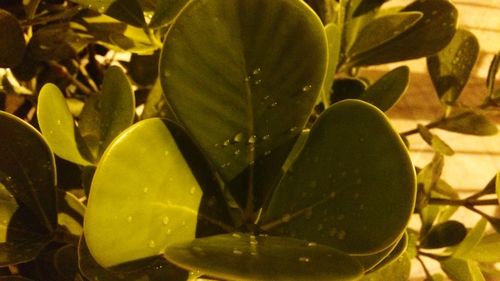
column 255, row 152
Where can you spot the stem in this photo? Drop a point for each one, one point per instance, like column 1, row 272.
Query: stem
column 430, row 125
column 426, row 271
column 63, row 72
column 464, row 202
column 432, row 256
column 477, row 211
column 222, row 225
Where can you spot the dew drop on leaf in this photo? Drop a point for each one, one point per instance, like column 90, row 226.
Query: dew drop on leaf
column 306, row 88
column 304, row 259
column 129, row 219
column 312, row 244
column 227, row 142
column 192, row 190
column 238, row 137
column 236, row 235
column 256, row 71
column 252, row 139
column 152, row 244
column 266, row 137
column 237, row 252
column 165, row 220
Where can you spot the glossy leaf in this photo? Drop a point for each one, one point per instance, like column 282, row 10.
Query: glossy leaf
column 395, row 254
column 487, row 250
column 386, row 91
column 367, row 6
column 469, row 122
column 144, row 69
column 396, row 271
column 347, row 88
column 427, row 36
column 58, row 127
column 234, row 93
column 372, row 261
column 12, row 44
column 246, row 257
column 434, row 141
column 143, row 188
column 27, row 168
column 491, row 78
column 156, row 104
column 462, row 270
column 471, row 240
column 165, row 12
column 55, row 42
column 327, row 196
column 450, row 68
column 70, row 213
column 446, row 234
column 150, row 269
column 108, row 113
column 382, row 30
column 333, row 38
column 129, row 11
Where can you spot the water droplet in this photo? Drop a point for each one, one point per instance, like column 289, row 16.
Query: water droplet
column 236, row 235
column 151, row 244
column 256, row 71
column 169, row 231
column 216, row 145
column 312, row 244
column 227, row 142
column 293, row 129
column 266, row 97
column 165, row 220
column 129, row 219
column 253, row 242
column 286, row 218
column 274, row 104
column 267, row 152
column 252, row 139
column 58, row 122
column 246, row 79
column 167, row 73
column 237, row 152
column 192, row 190
column 304, row 259
column 238, row 137
column 237, row 252
column 145, row 190
column 257, row 82
column 306, row 88
column 166, row 153
column 266, row 137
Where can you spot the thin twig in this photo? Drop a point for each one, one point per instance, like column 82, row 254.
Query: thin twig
column 465, row 202
column 63, row 72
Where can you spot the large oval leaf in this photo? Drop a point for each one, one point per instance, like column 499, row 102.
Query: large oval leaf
column 58, row 126
column 247, row 257
column 143, row 196
column 12, row 44
column 233, row 70
column 386, row 91
column 352, row 187
column 450, row 68
column 27, row 168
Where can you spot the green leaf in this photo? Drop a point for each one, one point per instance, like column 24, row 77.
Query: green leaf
column 395, row 253
column 374, row 261
column 491, row 78
column 396, row 271
column 149, row 269
column 434, row 141
column 471, row 240
column 143, row 69
column 462, row 270
column 427, row 36
column 156, row 104
column 27, row 168
column 334, row 39
column 241, row 256
column 128, row 11
column 337, row 191
column 367, row 6
column 143, row 188
column 382, row 30
column 445, row 234
column 451, row 67
column 55, row 42
column 12, row 44
column 233, row 87
column 58, row 127
column 347, row 88
column 386, row 91
column 166, row 11
column 497, row 186
column 467, row 121
column 487, row 250
column 70, row 213
column 108, row 113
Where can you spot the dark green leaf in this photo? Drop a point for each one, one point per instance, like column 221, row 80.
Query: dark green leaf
column 165, row 12
column 328, row 195
column 58, row 127
column 373, row 261
column 55, row 42
column 12, row 44
column 495, row 223
column 450, row 68
column 434, row 141
column 462, row 270
column 241, row 256
column 70, row 213
column 386, row 91
column 489, row 188
column 469, row 122
column 347, row 88
column 446, row 234
column 27, row 168
column 396, row 271
column 144, row 69
column 128, row 11
column 156, row 104
column 144, row 188
column 471, row 240
column 487, row 250
column 367, row 6
column 151, row 269
column 382, row 30
column 66, row 262
column 491, row 78
column 234, row 93
column 108, row 113
column 427, row 36
column 395, row 254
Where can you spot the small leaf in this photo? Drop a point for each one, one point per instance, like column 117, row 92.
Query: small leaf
column 241, row 256
column 58, row 127
column 462, row 270
column 467, row 121
column 144, row 188
column 398, row 270
column 367, row 6
column 434, row 141
column 165, row 12
column 446, row 234
column 491, row 78
column 108, row 113
column 156, row 104
column 487, row 250
column 55, row 42
column 430, row 174
column 128, row 11
column 242, row 88
column 386, row 91
column 488, row 189
column 327, row 196
column 450, row 68
column 12, row 44
column 347, row 88
column 427, row 36
column 143, row 69
column 471, row 240
column 333, row 39
column 27, row 168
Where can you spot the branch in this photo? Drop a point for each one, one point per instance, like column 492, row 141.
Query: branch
column 465, row 202
column 63, row 72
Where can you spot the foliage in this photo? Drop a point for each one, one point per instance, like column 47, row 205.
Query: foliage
column 231, row 139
